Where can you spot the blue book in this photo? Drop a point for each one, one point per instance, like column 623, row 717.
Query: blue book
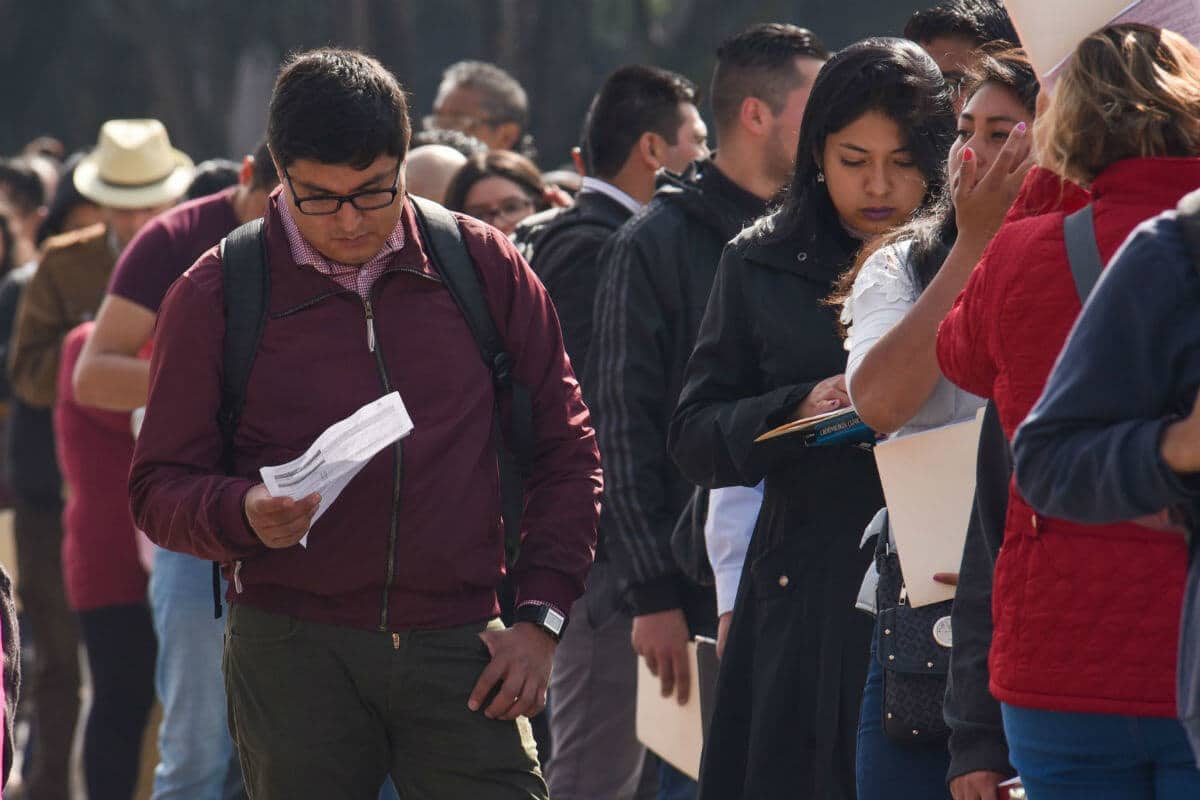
column 837, row 427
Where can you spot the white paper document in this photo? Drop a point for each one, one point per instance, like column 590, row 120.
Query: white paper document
column 674, row 732
column 340, row 453
column 929, row 484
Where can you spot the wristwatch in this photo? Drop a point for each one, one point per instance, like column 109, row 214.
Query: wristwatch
column 545, row 616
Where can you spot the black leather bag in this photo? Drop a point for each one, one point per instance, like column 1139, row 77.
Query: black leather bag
column 914, row 650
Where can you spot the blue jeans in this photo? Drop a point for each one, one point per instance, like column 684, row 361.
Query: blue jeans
column 886, row 768
column 1100, row 756
column 673, row 784
column 196, row 755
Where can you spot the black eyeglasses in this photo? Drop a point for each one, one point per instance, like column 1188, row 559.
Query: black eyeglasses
column 368, row 200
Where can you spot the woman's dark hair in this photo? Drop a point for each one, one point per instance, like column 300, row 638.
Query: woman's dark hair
column 336, row 107
column 933, row 231
column 66, row 199
column 496, row 164
column 894, row 77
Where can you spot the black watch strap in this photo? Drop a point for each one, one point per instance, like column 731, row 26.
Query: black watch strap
column 546, row 617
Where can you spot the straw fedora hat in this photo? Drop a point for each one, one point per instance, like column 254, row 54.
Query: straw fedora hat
column 133, row 166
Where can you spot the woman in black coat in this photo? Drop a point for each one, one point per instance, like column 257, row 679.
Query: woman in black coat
column 872, row 149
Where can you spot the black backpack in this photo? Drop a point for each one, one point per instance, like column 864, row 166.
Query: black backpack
column 247, row 289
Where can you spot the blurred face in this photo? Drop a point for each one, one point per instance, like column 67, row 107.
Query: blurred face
column 784, row 135
column 953, row 55
column 461, row 109
column 126, row 222
column 498, row 201
column 691, row 140
column 871, row 176
column 349, row 235
column 984, row 125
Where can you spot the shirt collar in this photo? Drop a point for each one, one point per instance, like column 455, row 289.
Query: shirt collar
column 304, row 253
column 607, row 189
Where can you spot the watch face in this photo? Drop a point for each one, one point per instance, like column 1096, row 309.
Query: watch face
column 554, row 621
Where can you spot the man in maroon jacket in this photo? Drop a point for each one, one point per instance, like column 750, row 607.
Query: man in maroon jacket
column 375, row 649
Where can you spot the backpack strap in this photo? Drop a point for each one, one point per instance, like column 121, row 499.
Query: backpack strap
column 1189, row 224
column 1079, row 231
column 514, row 442
column 246, row 287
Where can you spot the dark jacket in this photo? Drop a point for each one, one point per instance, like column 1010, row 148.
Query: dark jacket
column 795, row 662
column 563, row 246
column 1089, row 450
column 656, row 274
column 415, row 540
column 11, row 634
column 31, row 469
column 977, row 740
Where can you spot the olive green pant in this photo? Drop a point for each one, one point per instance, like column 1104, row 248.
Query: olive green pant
column 328, row 712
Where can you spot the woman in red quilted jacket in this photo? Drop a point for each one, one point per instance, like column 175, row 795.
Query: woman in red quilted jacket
column 1086, row 617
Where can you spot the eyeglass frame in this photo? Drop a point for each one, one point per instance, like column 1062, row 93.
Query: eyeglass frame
column 496, row 212
column 342, row 199
column 430, row 122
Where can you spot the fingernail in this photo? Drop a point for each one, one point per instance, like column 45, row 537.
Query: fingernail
column 1021, row 126
column 471, row 704
column 968, row 154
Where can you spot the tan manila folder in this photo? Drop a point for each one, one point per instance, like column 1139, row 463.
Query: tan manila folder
column 929, row 484
column 674, row 732
column 1051, row 29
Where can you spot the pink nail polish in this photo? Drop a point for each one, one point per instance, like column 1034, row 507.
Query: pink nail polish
column 1021, row 127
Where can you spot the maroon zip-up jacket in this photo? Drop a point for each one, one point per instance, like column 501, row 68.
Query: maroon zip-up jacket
column 415, row 540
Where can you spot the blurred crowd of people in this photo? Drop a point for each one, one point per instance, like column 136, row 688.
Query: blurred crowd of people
column 909, row 227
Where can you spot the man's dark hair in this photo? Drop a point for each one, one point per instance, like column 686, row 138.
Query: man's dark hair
column 211, row 177
column 981, row 21
column 264, row 177
column 501, row 96
column 337, row 107
column 633, row 100
column 457, row 140
column 21, row 184
column 760, row 62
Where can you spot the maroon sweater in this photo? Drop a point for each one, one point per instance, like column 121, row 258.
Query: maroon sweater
column 415, row 540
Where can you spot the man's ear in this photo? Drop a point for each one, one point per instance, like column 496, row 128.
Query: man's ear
column 246, row 172
column 755, row 116
column 648, row 150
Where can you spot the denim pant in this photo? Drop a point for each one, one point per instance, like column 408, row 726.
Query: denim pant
column 197, row 760
column 889, row 769
column 673, row 784
column 1065, row 756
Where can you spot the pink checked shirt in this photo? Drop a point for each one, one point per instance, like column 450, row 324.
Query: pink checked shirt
column 359, row 279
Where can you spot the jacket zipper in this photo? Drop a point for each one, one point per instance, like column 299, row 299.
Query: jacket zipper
column 397, row 471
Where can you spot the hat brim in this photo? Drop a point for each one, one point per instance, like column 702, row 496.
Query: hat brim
column 168, row 190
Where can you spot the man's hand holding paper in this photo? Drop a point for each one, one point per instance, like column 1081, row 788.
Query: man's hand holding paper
column 293, row 496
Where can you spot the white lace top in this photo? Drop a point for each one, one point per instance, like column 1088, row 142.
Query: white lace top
column 882, row 294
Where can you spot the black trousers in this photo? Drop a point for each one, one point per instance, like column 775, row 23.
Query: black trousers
column 121, row 649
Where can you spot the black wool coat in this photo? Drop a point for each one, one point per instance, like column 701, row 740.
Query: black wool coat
column 795, row 662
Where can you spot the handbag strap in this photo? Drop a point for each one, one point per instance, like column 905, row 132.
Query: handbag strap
column 1083, row 254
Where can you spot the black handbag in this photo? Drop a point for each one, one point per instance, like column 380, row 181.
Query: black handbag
column 914, row 650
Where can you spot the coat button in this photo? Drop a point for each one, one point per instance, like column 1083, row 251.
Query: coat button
column 891, row 658
column 929, row 664
column 802, row 256
column 1034, row 522
column 784, row 581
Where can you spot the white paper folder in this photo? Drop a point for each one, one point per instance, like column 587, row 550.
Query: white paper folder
column 929, row 484
column 674, row 732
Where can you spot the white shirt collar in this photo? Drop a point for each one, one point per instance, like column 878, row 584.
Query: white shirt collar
column 605, row 188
